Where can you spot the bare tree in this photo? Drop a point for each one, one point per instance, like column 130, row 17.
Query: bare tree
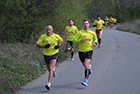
column 119, row 9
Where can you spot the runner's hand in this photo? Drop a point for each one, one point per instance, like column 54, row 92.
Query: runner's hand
column 94, row 44
column 84, row 39
column 57, row 46
column 47, row 46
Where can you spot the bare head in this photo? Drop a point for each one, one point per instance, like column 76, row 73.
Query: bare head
column 71, row 22
column 86, row 24
column 98, row 17
column 49, row 30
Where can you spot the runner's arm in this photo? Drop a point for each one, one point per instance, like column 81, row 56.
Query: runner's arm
column 60, row 40
column 39, row 43
column 61, row 43
column 76, row 30
column 95, row 38
column 66, row 31
column 40, row 46
column 94, row 24
column 76, row 38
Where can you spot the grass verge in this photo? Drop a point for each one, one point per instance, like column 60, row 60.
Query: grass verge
column 132, row 27
column 20, row 63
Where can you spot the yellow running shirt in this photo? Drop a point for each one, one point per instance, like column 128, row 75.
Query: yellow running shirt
column 114, row 21
column 71, row 32
column 111, row 20
column 107, row 20
column 52, row 40
column 100, row 22
column 85, row 46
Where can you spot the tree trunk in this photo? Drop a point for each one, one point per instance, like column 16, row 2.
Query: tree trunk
column 119, row 9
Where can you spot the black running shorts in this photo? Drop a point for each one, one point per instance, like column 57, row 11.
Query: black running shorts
column 70, row 44
column 47, row 59
column 84, row 55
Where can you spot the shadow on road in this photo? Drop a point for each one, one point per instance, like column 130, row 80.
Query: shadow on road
column 69, row 86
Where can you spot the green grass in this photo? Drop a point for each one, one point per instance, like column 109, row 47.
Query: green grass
column 128, row 30
column 120, row 28
column 132, row 27
column 20, row 63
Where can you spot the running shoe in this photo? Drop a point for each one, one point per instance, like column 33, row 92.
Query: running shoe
column 99, row 45
column 48, row 86
column 54, row 71
column 90, row 70
column 84, row 82
column 72, row 59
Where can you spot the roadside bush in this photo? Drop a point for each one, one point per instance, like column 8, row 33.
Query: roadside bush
column 130, row 26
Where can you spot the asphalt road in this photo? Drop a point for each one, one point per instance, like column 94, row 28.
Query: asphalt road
column 116, row 69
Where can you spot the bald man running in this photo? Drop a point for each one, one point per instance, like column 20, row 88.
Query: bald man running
column 49, row 43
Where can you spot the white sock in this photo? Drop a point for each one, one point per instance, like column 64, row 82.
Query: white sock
column 49, row 84
column 54, row 68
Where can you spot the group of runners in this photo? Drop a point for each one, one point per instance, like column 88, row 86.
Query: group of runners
column 86, row 38
column 110, row 22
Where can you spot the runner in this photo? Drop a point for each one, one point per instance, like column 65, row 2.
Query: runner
column 114, row 21
column 99, row 25
column 70, row 31
column 49, row 43
column 84, row 38
column 111, row 22
column 106, row 22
